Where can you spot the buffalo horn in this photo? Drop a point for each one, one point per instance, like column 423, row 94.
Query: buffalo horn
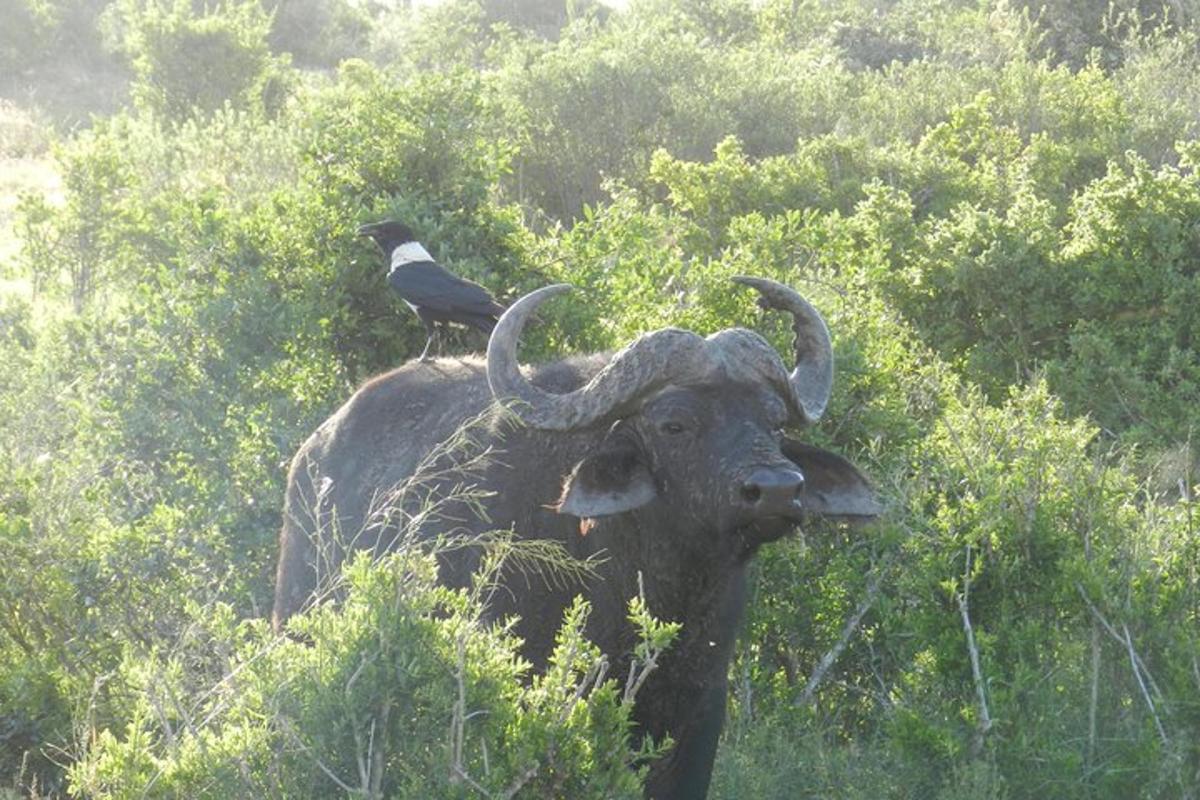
column 653, row 360
column 812, row 376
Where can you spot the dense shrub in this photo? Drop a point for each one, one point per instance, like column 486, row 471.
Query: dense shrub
column 318, row 33
column 29, row 23
column 401, row 692
column 46, row 45
column 1000, row 229
column 190, row 59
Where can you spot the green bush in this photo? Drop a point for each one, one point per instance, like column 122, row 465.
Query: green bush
column 363, row 704
column 43, row 39
column 318, row 33
column 1000, row 232
column 189, row 59
column 1135, row 249
column 28, row 28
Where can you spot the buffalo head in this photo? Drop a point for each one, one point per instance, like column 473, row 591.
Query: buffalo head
column 696, row 425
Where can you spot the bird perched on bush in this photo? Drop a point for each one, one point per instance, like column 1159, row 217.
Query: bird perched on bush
column 434, row 293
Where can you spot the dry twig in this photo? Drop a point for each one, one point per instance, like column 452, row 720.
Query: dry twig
column 1141, row 665
column 848, row 630
column 1144, row 679
column 963, row 597
column 637, row 677
column 1137, row 673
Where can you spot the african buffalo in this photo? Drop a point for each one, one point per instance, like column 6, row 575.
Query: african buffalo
column 669, row 456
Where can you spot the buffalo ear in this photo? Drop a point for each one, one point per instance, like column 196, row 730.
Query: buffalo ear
column 612, row 479
column 832, row 485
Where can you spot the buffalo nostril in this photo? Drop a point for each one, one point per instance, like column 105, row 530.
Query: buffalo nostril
column 772, row 490
column 751, row 493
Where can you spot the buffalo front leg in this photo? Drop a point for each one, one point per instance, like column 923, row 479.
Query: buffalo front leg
column 685, row 772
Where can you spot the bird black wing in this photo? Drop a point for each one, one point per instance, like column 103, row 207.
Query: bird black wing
column 427, row 285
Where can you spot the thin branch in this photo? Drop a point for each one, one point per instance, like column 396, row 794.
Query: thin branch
column 460, row 774
column 521, row 780
column 1137, row 673
column 1140, row 672
column 371, row 756
column 1094, row 700
column 286, row 727
column 882, row 695
column 848, row 630
column 1121, row 640
column 592, row 678
column 636, row 677
column 377, row 753
column 458, row 721
column 364, row 775
column 963, row 597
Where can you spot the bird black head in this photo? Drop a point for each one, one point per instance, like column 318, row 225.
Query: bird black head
column 388, row 234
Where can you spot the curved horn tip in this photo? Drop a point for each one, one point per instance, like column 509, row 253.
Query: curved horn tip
column 744, row 280
column 812, row 376
column 754, row 281
column 554, row 288
column 546, row 292
column 514, row 316
column 503, row 373
column 516, row 313
column 770, row 291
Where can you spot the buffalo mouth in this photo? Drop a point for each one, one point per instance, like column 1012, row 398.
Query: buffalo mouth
column 769, row 529
column 792, row 516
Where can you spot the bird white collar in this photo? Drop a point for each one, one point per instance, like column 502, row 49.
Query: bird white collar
column 408, row 253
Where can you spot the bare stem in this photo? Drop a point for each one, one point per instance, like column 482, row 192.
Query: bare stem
column 637, row 676
column 985, row 718
column 848, row 630
column 458, row 721
column 1144, row 679
column 1141, row 665
column 1095, row 695
column 1137, row 673
column 286, row 727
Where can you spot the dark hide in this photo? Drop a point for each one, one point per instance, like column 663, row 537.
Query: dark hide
column 682, row 488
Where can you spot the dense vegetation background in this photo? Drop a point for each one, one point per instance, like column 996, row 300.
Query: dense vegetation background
column 995, row 204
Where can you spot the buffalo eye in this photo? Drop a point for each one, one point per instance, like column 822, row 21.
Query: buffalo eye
column 672, row 428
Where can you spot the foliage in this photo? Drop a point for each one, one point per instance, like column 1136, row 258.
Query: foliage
column 362, row 704
column 993, row 205
column 190, row 59
column 318, row 33
column 39, row 32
